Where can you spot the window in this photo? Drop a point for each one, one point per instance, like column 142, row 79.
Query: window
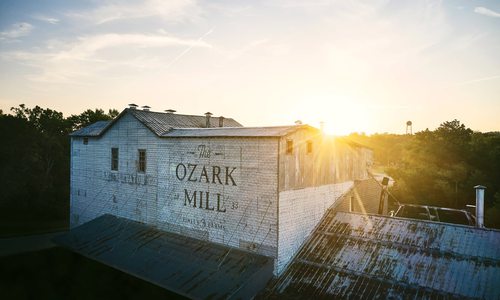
column 85, row 140
column 289, row 147
column 141, row 167
column 309, row 147
column 114, row 159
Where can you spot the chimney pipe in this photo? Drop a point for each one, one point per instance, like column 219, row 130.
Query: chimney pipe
column 132, row 106
column 208, row 115
column 480, row 205
column 383, row 192
column 146, row 108
column 221, row 121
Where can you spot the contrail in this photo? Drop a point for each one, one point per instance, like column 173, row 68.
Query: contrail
column 188, row 49
column 479, row 79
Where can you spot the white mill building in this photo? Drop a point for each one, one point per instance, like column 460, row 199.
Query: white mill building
column 259, row 189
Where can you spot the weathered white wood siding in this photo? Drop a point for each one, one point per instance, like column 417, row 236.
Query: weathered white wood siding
column 310, row 182
column 96, row 190
column 242, row 213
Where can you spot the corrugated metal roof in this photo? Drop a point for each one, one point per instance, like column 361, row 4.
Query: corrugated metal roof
column 160, row 123
column 190, row 267
column 273, row 131
column 94, row 129
column 157, row 122
column 356, row 256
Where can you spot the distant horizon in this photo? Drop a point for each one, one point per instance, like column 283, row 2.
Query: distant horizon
column 333, row 134
column 363, row 66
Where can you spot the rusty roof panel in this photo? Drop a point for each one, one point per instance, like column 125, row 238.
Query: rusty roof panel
column 368, row 256
column 193, row 268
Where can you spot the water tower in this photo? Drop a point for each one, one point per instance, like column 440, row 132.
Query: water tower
column 409, row 129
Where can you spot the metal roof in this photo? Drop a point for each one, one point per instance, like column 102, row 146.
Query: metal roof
column 190, row 267
column 94, row 129
column 157, row 122
column 352, row 255
column 274, row 131
column 160, row 123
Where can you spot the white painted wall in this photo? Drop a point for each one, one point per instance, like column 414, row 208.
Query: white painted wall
column 96, row 190
column 247, row 212
column 299, row 213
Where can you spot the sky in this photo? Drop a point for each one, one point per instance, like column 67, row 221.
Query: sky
column 358, row 66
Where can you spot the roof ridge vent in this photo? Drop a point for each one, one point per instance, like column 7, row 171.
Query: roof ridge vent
column 132, row 106
column 207, row 118
column 146, row 108
column 170, row 111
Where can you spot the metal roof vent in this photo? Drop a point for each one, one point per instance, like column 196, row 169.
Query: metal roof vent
column 132, row 106
column 480, row 205
column 208, row 115
column 146, row 108
column 170, row 111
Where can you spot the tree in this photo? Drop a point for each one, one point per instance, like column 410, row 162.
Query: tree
column 34, row 163
column 91, row 116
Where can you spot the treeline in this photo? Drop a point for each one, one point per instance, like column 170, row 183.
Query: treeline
column 34, row 166
column 438, row 167
column 441, row 167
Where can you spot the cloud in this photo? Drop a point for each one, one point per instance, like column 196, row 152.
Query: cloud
column 49, row 20
column 16, row 30
column 68, row 62
column 88, row 46
column 479, row 79
column 173, row 10
column 487, row 12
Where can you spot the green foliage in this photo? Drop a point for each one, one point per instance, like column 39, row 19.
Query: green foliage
column 34, row 162
column 442, row 166
column 91, row 116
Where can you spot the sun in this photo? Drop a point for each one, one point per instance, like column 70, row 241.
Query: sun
column 329, row 129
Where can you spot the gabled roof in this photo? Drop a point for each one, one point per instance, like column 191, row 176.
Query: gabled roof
column 157, row 122
column 355, row 256
column 190, row 267
column 160, row 123
column 92, row 130
column 274, row 131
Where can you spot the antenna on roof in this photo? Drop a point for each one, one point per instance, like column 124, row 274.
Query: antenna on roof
column 132, row 106
column 146, row 108
column 170, row 111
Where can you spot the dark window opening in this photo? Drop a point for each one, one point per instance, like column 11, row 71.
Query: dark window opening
column 141, row 167
column 289, row 147
column 114, row 159
column 85, row 141
column 309, row 147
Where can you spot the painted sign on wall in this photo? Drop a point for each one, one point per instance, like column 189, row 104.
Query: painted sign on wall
column 211, row 174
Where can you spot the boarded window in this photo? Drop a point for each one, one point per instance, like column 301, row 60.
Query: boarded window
column 85, row 141
column 114, row 159
column 289, row 147
column 141, row 167
column 309, row 147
